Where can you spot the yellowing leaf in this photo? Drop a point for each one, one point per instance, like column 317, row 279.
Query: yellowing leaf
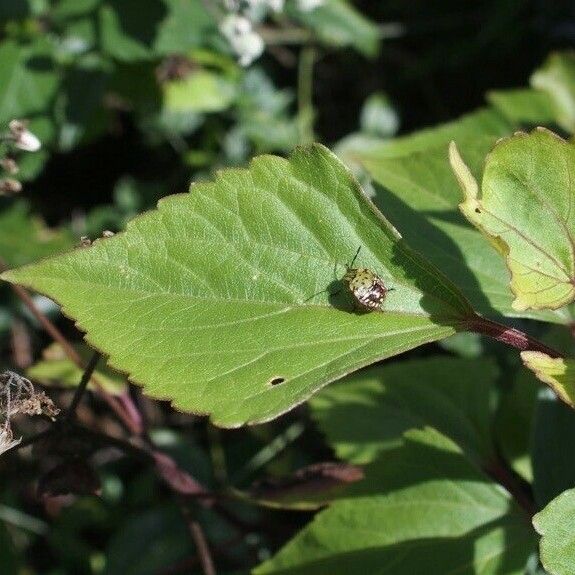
column 557, row 372
column 526, row 208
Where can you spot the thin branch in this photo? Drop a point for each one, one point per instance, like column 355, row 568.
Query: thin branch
column 498, row 470
column 86, row 376
column 200, row 541
column 509, row 336
column 118, row 407
column 43, row 320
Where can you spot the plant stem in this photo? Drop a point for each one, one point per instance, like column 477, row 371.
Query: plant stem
column 86, row 376
column 199, row 538
column 117, row 406
column 508, row 335
column 500, row 472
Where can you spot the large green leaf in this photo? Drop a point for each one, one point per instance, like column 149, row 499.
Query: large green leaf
column 525, row 209
column 429, row 512
column 555, row 524
column 420, row 195
column 452, row 395
column 223, row 299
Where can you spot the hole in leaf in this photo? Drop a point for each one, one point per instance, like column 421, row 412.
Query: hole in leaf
column 277, row 380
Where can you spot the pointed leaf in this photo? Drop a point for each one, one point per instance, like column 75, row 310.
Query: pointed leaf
column 426, row 501
column 555, row 524
column 220, row 299
column 557, row 372
column 526, row 211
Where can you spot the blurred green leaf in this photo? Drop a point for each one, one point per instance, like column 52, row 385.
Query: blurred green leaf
column 525, row 211
column 465, row 344
column 128, row 33
column 255, row 249
column 28, row 78
column 149, row 543
column 55, row 368
column 199, row 92
column 338, row 23
column 556, row 79
column 553, row 437
column 523, row 106
column 555, row 525
column 186, row 26
column 427, row 502
column 24, row 238
column 165, row 27
column 514, row 420
column 83, row 90
column 366, row 414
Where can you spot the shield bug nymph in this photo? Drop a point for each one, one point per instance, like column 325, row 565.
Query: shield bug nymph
column 366, row 287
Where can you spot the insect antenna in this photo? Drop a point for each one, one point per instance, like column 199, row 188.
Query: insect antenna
column 350, row 266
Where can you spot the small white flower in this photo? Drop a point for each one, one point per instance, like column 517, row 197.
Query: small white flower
column 23, row 138
column 276, row 5
column 247, row 44
column 233, row 26
column 309, row 5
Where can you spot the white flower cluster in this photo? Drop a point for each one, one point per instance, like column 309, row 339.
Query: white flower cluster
column 23, row 138
column 247, row 44
column 309, row 5
column 238, row 28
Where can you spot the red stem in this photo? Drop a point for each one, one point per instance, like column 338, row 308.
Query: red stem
column 508, row 335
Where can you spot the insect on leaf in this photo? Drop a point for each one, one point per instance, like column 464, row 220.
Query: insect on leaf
column 220, row 301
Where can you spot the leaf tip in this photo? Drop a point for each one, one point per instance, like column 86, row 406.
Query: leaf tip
column 557, row 372
column 7, row 276
column 463, row 174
